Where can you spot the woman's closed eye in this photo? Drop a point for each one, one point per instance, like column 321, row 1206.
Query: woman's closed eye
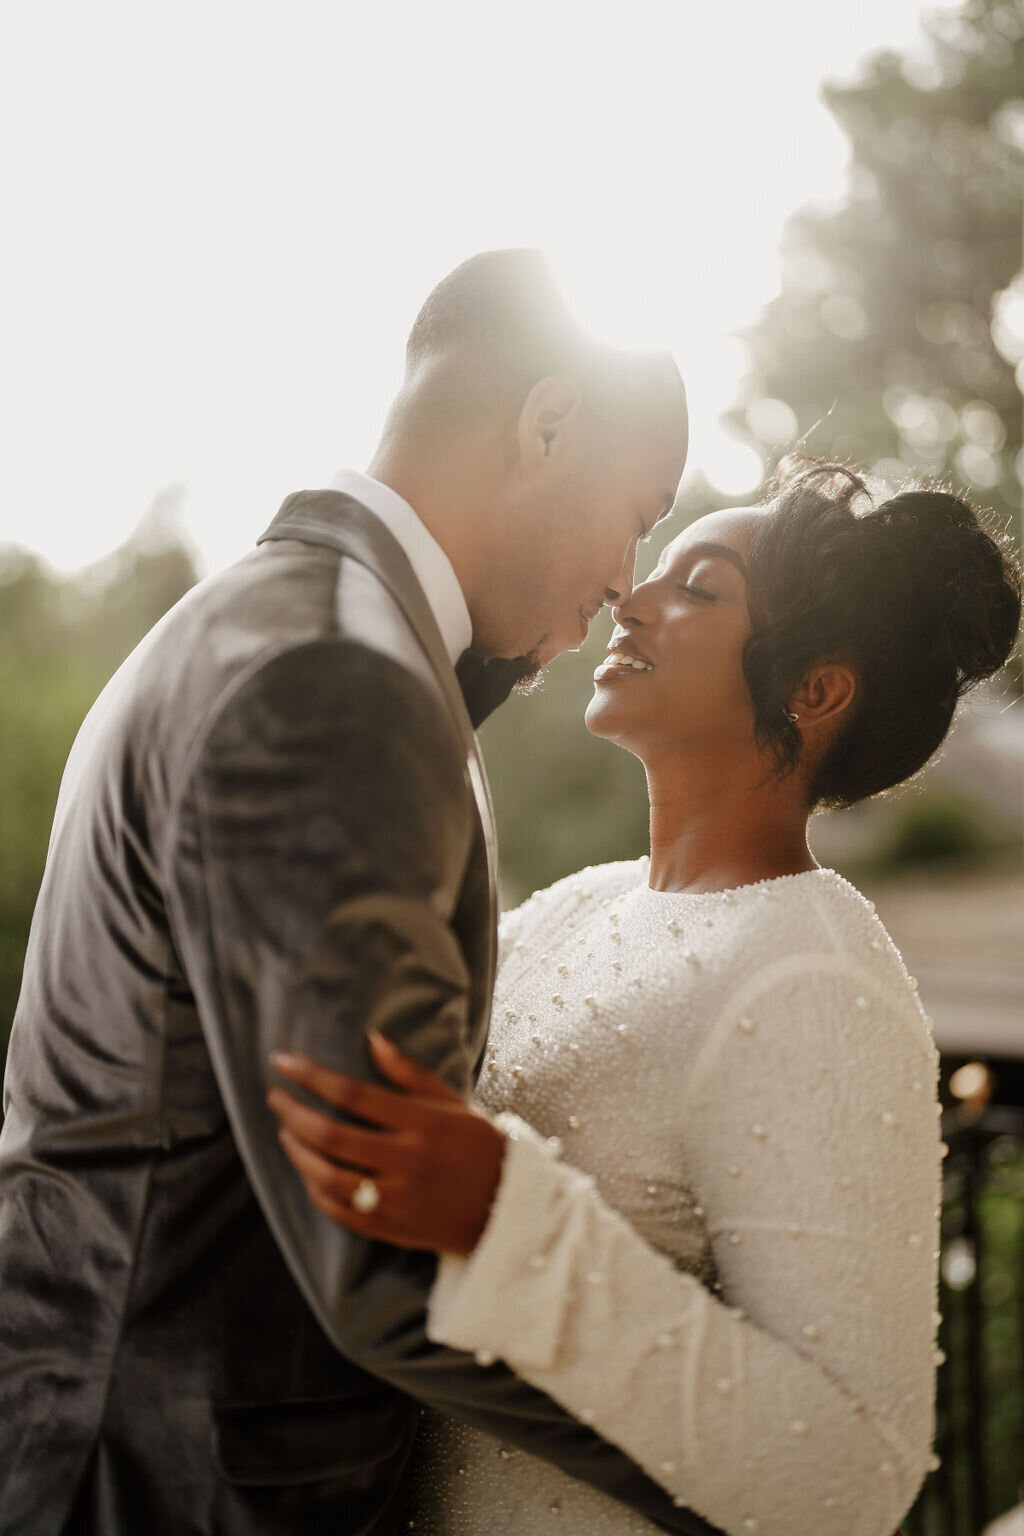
column 701, row 593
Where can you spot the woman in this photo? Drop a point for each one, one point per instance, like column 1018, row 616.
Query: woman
column 704, row 1215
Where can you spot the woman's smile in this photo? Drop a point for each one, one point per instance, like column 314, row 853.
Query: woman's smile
column 622, row 660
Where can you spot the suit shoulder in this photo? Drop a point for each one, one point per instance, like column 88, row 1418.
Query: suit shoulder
column 336, row 686
column 287, row 609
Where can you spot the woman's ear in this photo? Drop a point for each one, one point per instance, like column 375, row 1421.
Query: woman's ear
column 825, row 694
column 547, row 420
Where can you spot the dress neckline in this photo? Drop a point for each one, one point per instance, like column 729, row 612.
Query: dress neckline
column 732, row 893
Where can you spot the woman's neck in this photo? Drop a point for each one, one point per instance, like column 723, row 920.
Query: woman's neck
column 711, row 829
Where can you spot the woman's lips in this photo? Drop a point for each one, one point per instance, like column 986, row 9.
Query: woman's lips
column 619, row 664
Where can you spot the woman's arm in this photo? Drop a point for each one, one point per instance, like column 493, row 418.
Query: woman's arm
column 788, row 1411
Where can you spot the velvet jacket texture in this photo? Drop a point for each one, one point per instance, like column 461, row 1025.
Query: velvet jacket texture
column 273, row 830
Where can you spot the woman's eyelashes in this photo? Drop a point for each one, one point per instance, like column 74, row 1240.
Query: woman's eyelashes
column 701, row 593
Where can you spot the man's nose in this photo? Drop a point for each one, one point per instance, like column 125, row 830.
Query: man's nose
column 622, row 588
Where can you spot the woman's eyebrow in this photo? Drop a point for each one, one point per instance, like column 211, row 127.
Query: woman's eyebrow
column 722, row 551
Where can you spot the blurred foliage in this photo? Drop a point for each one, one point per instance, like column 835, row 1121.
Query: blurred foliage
column 60, row 640
column 894, row 340
column 938, row 829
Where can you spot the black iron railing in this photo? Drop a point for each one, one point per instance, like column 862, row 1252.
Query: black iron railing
column 980, row 1402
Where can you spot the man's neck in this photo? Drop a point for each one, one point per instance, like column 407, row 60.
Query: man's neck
column 439, row 501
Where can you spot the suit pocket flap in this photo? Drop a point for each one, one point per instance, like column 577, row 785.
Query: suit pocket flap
column 298, row 1442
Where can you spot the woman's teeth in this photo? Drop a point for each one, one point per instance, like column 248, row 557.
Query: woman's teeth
column 616, row 659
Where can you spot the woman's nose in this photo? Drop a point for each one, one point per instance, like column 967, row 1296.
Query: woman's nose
column 624, row 615
column 629, row 611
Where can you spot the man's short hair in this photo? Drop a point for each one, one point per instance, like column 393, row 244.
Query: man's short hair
column 504, row 320
column 503, row 305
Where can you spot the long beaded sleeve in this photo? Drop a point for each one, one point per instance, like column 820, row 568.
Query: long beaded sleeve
column 798, row 1398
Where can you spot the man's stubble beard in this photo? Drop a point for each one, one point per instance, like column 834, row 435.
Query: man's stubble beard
column 532, row 675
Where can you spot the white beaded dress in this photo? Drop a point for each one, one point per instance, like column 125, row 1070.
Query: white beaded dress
column 737, row 1087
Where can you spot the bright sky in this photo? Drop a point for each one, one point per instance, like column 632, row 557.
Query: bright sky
column 221, row 218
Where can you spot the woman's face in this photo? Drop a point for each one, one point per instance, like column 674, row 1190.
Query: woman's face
column 673, row 677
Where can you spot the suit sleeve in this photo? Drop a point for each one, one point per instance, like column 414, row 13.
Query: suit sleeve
column 313, row 864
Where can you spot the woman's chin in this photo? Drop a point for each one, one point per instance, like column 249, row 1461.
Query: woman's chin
column 604, row 716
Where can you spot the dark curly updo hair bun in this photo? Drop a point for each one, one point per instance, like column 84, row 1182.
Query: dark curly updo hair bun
column 916, row 594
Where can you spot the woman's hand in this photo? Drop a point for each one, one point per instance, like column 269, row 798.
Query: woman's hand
column 433, row 1162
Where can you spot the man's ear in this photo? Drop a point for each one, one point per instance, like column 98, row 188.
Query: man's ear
column 823, row 697
column 548, row 419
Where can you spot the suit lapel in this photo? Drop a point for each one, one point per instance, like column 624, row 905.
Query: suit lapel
column 332, row 518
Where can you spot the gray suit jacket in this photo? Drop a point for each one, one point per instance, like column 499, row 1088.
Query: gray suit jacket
column 273, row 830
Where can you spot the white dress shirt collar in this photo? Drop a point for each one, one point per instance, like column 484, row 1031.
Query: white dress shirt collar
column 431, row 565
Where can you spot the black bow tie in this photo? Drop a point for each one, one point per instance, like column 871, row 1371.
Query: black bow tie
column 486, row 684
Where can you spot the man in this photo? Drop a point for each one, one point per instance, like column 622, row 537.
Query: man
column 273, row 832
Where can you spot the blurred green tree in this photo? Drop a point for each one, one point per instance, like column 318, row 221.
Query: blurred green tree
column 60, row 640
column 894, row 339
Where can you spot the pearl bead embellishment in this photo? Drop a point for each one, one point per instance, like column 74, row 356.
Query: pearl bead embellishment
column 678, row 982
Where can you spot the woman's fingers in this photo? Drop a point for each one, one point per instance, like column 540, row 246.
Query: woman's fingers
column 370, row 1151
column 329, row 1187
column 406, row 1073
column 436, row 1163
column 377, row 1106
column 368, row 1101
